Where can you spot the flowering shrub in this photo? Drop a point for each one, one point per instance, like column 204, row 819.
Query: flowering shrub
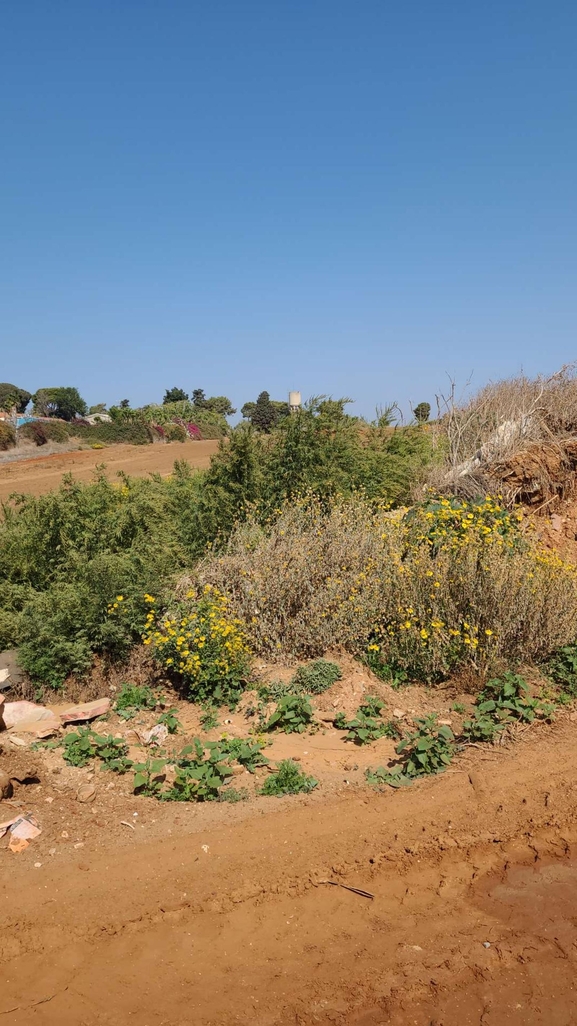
column 418, row 595
column 199, row 642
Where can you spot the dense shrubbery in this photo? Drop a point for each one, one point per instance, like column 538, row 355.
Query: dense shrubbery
column 66, row 556
column 131, row 433
column 301, row 541
column 42, row 431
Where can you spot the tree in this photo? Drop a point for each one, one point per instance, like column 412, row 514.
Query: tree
column 198, row 398
column 264, row 415
column 422, row 413
column 174, row 395
column 269, row 413
column 99, row 408
column 124, row 404
column 11, row 395
column 220, row 404
column 64, row 403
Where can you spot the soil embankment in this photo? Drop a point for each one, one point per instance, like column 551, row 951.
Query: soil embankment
column 41, row 474
column 215, row 915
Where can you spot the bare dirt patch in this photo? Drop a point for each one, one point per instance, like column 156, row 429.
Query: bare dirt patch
column 44, row 473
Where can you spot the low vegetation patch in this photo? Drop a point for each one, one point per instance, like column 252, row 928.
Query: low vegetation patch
column 288, row 779
column 367, row 725
column 293, row 714
column 428, row 749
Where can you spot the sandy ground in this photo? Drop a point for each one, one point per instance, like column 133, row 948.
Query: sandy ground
column 44, row 473
column 224, row 914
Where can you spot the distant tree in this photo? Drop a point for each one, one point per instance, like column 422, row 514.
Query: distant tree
column 124, row 404
column 65, row 403
column 264, row 416
column 11, row 395
column 247, row 410
column 220, row 404
column 265, row 413
column 198, row 398
column 174, row 395
column 422, row 413
column 99, row 408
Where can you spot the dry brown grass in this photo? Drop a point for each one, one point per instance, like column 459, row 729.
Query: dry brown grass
column 511, row 436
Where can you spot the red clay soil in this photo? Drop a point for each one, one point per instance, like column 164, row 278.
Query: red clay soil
column 43, row 473
column 217, row 915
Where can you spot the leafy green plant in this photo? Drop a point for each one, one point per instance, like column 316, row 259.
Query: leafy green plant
column 482, row 727
column 293, row 714
column 149, row 777
column 112, row 751
column 84, row 744
column 277, row 689
column 78, row 748
column 244, row 751
column 508, row 698
column 562, row 668
column 133, row 698
column 288, row 779
column 458, row 707
column 428, row 749
column 316, row 677
column 198, row 779
column 170, row 720
column 365, row 725
column 209, row 718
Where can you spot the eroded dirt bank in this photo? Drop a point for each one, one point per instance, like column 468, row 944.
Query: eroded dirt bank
column 220, row 924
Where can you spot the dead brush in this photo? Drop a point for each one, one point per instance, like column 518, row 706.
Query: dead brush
column 496, row 439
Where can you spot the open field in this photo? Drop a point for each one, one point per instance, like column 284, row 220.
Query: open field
column 41, row 474
column 218, row 915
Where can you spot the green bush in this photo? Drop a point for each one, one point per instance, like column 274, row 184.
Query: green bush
column 7, row 436
column 175, row 433
column 316, row 677
column 67, row 555
column 129, row 433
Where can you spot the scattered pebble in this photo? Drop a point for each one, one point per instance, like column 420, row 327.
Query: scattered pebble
column 486, row 944
column 37, row 865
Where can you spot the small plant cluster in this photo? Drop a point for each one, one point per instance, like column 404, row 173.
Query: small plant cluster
column 367, row 725
column 83, row 745
column 428, row 749
column 316, row 677
column 293, row 714
column 562, row 669
column 133, row 698
column 288, row 779
column 502, row 701
column 202, row 645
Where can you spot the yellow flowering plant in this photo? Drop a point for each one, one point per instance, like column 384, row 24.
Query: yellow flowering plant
column 199, row 642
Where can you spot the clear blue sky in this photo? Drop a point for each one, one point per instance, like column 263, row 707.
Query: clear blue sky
column 345, row 197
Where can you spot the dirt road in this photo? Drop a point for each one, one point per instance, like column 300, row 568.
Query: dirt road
column 218, row 915
column 43, row 473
